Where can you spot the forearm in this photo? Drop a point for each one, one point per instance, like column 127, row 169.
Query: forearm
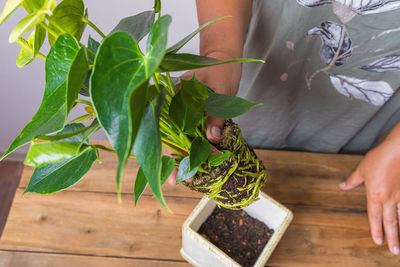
column 224, row 39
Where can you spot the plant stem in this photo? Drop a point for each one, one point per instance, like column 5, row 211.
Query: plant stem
column 111, row 150
column 81, row 101
column 49, row 30
column 24, row 44
column 94, row 27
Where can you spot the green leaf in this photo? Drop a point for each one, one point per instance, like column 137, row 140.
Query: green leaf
column 66, row 68
column 34, row 43
column 168, row 166
column 9, row 8
column 61, row 175
column 181, row 62
column 227, row 106
column 35, row 5
column 119, row 70
column 137, row 26
column 183, row 171
column 83, row 118
column 184, row 115
column 175, row 48
column 79, row 138
column 199, row 152
column 140, row 184
column 26, row 24
column 194, row 94
column 68, row 14
column 41, row 154
column 147, row 147
column 217, row 159
column 93, row 46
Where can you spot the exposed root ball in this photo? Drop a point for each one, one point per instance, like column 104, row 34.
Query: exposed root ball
column 236, row 182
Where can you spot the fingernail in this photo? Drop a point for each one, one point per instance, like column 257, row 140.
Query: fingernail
column 378, row 240
column 216, row 132
column 342, row 185
column 395, row 250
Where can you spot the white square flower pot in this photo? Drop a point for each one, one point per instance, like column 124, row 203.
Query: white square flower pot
column 202, row 253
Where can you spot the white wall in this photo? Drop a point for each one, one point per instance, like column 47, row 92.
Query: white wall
column 21, row 90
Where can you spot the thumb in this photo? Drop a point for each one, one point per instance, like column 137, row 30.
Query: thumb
column 352, row 182
column 214, row 129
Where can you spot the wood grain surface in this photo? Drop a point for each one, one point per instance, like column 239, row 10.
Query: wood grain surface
column 85, row 226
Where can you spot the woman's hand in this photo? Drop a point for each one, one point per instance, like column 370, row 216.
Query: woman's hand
column 380, row 171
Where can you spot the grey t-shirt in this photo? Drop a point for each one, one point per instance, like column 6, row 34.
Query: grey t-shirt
column 330, row 78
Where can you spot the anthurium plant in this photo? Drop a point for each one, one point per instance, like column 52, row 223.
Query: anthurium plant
column 129, row 93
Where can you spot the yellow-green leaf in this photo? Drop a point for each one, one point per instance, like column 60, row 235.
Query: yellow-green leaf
column 33, row 43
column 26, row 24
column 9, row 8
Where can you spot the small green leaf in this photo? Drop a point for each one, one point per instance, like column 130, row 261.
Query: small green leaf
column 68, row 14
column 41, row 154
column 61, row 175
column 140, row 184
column 227, row 106
column 147, row 147
column 26, row 24
column 9, row 8
column 194, row 94
column 181, row 62
column 168, row 166
column 217, row 159
column 34, row 43
column 175, row 48
column 183, row 171
column 119, row 70
column 137, row 26
column 66, row 68
column 93, row 46
column 186, row 117
column 199, row 152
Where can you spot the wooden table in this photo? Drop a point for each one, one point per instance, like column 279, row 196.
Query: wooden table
column 84, row 225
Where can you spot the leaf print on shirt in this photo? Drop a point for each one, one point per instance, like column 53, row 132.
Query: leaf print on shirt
column 385, row 64
column 373, row 92
column 360, row 7
column 331, row 35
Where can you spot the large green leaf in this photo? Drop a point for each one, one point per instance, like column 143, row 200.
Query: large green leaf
column 68, row 14
column 194, row 94
column 181, row 62
column 61, row 175
column 137, row 26
column 66, row 68
column 199, row 152
column 119, row 70
column 26, row 24
column 186, row 117
column 175, row 48
column 9, row 8
column 168, row 165
column 147, row 147
column 227, row 106
column 34, row 43
column 41, row 154
column 183, row 170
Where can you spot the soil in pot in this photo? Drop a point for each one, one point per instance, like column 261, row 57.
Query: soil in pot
column 237, row 234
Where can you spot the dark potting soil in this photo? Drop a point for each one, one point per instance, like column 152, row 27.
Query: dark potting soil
column 237, row 234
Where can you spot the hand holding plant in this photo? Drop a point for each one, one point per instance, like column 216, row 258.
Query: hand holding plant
column 132, row 98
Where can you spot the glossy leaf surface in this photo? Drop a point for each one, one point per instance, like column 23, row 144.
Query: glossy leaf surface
column 68, row 14
column 181, row 62
column 41, row 154
column 119, row 70
column 147, row 147
column 66, row 68
column 227, row 106
column 183, row 170
column 137, row 26
column 217, row 159
column 61, row 175
column 199, row 152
